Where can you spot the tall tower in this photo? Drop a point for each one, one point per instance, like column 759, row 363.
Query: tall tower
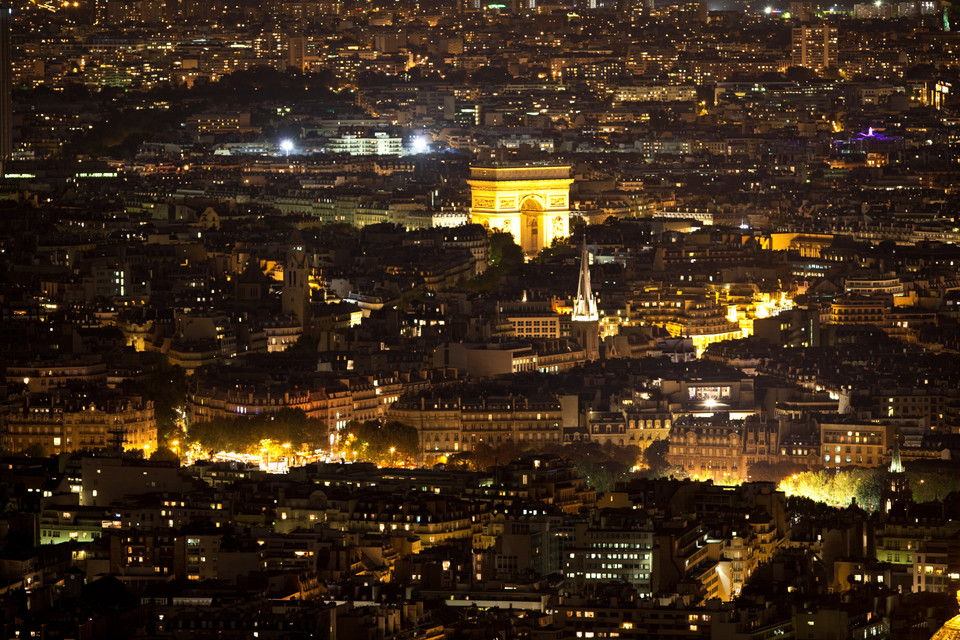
column 585, row 319
column 898, row 487
column 815, row 47
column 296, row 52
column 296, row 281
column 6, row 82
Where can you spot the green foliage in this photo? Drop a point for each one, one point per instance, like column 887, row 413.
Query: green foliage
column 164, row 454
column 559, row 248
column 122, row 131
column 132, row 454
column 838, row 487
column 483, row 456
column 168, row 390
column 578, row 227
column 602, row 466
column 243, row 434
column 803, row 507
column 306, row 343
column 35, row 450
column 489, row 280
column 504, row 250
column 869, row 488
column 602, row 475
column 933, row 483
column 929, row 483
column 655, row 455
column 390, row 443
column 505, row 256
column 459, row 461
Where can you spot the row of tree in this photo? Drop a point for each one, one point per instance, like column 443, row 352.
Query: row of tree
column 385, row 443
column 931, row 482
column 602, row 465
column 244, row 434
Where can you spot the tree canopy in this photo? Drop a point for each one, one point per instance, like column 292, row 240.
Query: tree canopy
column 602, row 465
column 386, row 443
column 244, row 434
column 504, row 251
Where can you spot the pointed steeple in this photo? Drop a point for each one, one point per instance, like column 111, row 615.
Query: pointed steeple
column 897, row 490
column 896, row 466
column 585, row 306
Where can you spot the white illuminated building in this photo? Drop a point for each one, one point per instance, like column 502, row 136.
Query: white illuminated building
column 379, row 144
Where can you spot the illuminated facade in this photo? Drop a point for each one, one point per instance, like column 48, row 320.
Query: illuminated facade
column 452, row 425
column 617, row 550
column 704, row 323
column 531, row 202
column 859, row 445
column 58, row 425
column 707, row 450
column 534, row 319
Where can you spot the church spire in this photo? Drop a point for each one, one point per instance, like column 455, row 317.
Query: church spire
column 585, row 306
column 896, row 466
column 897, row 490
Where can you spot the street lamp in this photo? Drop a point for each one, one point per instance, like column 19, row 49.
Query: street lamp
column 419, row 144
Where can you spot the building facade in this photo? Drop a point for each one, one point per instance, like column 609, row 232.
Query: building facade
column 815, row 47
column 59, row 424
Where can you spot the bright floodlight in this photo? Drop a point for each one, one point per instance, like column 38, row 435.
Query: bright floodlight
column 419, row 144
column 286, row 145
column 768, row 10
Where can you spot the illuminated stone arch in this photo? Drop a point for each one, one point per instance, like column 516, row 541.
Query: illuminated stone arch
column 531, row 205
column 531, row 211
column 530, row 201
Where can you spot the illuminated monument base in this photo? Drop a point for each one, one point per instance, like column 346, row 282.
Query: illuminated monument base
column 530, row 201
